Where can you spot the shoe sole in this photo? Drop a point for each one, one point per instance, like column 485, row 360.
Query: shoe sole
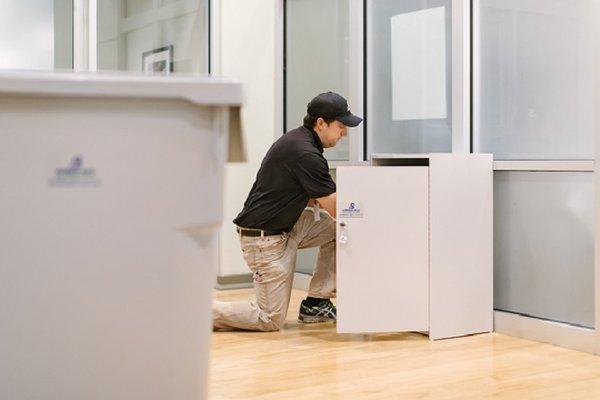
column 314, row 320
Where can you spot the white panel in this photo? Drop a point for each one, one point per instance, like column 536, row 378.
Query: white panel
column 461, row 244
column 418, row 44
column 382, row 269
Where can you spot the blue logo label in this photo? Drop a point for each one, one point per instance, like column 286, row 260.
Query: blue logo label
column 75, row 174
column 352, row 211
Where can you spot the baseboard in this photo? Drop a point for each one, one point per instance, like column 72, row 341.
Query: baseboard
column 301, row 281
column 242, row 281
column 238, row 281
column 556, row 333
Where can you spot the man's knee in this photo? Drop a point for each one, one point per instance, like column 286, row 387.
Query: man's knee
column 271, row 322
column 269, row 327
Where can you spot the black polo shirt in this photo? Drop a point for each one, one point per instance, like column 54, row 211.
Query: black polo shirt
column 293, row 171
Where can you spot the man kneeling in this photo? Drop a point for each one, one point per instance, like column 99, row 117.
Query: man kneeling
column 291, row 206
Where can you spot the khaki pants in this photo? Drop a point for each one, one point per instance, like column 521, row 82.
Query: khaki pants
column 272, row 260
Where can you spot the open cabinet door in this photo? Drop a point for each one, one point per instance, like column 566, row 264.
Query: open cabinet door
column 382, row 249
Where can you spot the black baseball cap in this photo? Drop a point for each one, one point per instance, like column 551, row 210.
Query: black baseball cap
column 332, row 106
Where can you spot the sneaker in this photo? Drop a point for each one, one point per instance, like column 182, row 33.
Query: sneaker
column 325, row 311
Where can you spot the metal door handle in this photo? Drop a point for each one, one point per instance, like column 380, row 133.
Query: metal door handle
column 343, row 237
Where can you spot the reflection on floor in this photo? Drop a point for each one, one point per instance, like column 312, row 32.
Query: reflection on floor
column 314, row 362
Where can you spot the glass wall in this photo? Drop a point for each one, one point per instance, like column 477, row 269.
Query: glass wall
column 317, row 59
column 153, row 36
column 36, row 35
column 533, row 83
column 409, row 76
column 533, row 100
column 408, row 69
column 536, row 79
column 544, row 245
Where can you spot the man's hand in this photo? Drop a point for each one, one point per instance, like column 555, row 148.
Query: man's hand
column 328, row 203
column 311, row 203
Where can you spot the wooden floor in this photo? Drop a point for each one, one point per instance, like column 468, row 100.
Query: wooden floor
column 314, row 362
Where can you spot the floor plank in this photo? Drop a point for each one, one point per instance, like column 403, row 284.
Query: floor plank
column 314, row 362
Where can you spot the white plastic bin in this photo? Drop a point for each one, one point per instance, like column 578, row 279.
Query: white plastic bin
column 111, row 197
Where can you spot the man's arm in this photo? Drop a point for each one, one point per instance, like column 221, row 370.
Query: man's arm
column 328, row 203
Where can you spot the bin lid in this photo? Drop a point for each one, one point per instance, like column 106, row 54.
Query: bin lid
column 208, row 91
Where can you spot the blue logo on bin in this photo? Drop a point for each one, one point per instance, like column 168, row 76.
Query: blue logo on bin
column 75, row 174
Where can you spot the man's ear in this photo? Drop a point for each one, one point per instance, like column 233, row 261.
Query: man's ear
column 321, row 123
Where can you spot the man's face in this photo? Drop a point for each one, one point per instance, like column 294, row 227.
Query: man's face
column 331, row 133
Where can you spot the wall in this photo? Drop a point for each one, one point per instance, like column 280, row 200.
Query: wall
column 36, row 34
column 247, row 34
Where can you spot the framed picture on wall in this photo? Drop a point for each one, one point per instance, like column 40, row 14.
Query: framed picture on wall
column 158, row 61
